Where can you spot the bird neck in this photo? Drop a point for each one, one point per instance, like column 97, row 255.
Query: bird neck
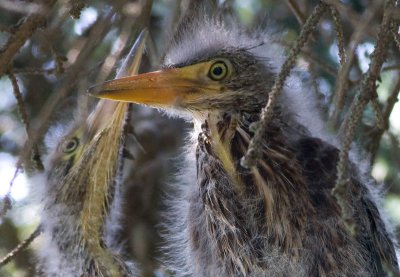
column 220, row 128
column 80, row 202
column 261, row 201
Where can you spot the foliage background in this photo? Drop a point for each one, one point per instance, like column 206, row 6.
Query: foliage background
column 79, row 43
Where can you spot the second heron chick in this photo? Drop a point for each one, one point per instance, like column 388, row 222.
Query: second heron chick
column 80, row 193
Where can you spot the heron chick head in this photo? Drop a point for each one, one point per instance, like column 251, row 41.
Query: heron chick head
column 209, row 67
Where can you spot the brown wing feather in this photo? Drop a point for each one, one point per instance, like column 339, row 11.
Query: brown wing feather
column 318, row 160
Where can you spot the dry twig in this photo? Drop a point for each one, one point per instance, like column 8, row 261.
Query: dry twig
column 18, row 39
column 36, row 157
column 342, row 84
column 38, row 165
column 353, row 17
column 294, row 7
column 34, row 71
column 253, row 153
column 365, row 93
column 376, row 133
column 339, row 35
column 100, row 27
column 22, row 246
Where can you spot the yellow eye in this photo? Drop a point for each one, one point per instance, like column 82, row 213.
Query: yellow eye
column 218, row 71
column 70, row 145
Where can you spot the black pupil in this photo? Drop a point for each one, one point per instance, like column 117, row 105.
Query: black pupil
column 217, row 70
column 70, row 145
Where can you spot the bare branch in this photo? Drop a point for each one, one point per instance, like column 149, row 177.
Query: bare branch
column 18, row 39
column 23, row 7
column 34, row 71
column 378, row 113
column 349, row 14
column 253, row 153
column 391, row 67
column 339, row 35
column 320, row 63
column 22, row 246
column 24, row 118
column 96, row 35
column 376, row 133
column 294, row 7
column 342, row 84
column 365, row 93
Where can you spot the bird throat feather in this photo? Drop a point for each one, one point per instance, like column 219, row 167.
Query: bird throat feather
column 271, row 187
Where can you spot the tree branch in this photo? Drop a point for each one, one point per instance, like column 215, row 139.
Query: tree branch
column 253, row 153
column 365, row 93
column 339, row 95
column 22, row 246
column 22, row 34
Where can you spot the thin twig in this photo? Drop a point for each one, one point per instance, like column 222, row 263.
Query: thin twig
column 34, row 71
column 339, row 35
column 320, row 63
column 20, row 102
column 36, row 157
column 100, row 27
column 342, row 84
column 58, row 59
column 116, row 51
column 294, row 7
column 18, row 39
column 351, row 16
column 24, row 118
column 22, row 7
column 377, row 112
column 365, row 93
column 391, row 67
column 310, row 57
column 253, row 152
column 22, row 246
column 376, row 134
column 76, row 7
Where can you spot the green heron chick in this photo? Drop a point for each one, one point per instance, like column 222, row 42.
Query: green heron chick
column 278, row 218
column 81, row 196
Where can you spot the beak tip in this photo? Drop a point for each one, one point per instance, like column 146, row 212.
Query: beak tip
column 95, row 91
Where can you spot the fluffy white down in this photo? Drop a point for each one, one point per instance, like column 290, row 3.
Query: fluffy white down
column 296, row 97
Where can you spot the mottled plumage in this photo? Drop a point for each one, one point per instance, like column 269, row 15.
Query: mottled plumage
column 80, row 192
column 278, row 218
column 77, row 193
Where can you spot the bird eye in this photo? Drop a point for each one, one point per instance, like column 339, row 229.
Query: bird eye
column 70, row 145
column 218, row 71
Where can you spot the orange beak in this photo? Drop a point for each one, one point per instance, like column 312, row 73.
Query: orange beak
column 165, row 88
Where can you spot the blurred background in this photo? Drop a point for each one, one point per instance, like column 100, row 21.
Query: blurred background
column 80, row 43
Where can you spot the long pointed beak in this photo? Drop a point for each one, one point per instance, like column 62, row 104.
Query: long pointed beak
column 107, row 109
column 159, row 88
column 165, row 88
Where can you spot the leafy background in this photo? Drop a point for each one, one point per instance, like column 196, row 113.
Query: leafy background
column 81, row 43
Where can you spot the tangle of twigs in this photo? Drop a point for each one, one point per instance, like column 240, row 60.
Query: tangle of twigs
column 365, row 93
